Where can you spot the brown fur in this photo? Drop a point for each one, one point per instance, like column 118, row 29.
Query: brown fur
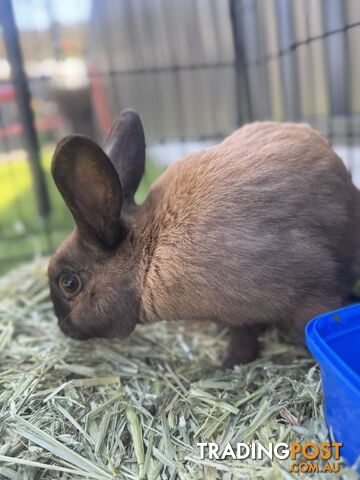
column 262, row 228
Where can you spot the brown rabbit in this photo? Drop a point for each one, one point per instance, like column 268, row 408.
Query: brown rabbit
column 263, row 228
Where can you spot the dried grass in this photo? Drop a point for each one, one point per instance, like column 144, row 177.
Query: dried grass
column 135, row 409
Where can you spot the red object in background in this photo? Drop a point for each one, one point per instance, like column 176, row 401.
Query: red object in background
column 11, row 130
column 98, row 94
column 7, row 93
column 43, row 124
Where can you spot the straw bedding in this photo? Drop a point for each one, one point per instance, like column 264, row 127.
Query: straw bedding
column 137, row 408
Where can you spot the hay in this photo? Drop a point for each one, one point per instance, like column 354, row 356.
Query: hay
column 136, row 408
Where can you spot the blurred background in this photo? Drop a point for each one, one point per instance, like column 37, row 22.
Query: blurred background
column 194, row 69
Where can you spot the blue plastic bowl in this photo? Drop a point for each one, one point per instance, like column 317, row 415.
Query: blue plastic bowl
column 334, row 340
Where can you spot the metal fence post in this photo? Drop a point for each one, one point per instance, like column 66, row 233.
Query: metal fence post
column 23, row 98
column 244, row 107
column 288, row 62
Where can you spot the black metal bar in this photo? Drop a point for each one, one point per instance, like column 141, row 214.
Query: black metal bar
column 190, row 138
column 264, row 94
column 107, row 39
column 147, row 92
column 311, row 68
column 333, row 14
column 23, row 97
column 177, row 79
column 142, row 71
column 296, row 45
column 242, row 81
column 206, row 78
column 348, row 90
column 170, row 68
column 288, row 61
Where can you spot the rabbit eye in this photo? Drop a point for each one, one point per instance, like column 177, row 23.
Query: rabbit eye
column 70, row 283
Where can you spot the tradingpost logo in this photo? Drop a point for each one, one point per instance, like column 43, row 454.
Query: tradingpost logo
column 308, row 457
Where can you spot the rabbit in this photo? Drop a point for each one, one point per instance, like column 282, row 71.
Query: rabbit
column 261, row 229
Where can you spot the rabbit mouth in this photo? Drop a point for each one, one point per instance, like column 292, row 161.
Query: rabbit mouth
column 63, row 313
column 70, row 331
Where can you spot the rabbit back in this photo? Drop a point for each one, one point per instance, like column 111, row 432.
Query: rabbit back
column 249, row 230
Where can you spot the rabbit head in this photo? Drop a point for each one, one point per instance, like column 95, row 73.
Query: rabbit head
column 93, row 275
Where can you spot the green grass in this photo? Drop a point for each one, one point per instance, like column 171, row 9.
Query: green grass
column 22, row 231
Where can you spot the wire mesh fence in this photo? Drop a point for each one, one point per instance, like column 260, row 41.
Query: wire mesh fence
column 195, row 70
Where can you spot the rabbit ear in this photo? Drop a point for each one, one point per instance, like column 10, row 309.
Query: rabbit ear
column 125, row 146
column 91, row 188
